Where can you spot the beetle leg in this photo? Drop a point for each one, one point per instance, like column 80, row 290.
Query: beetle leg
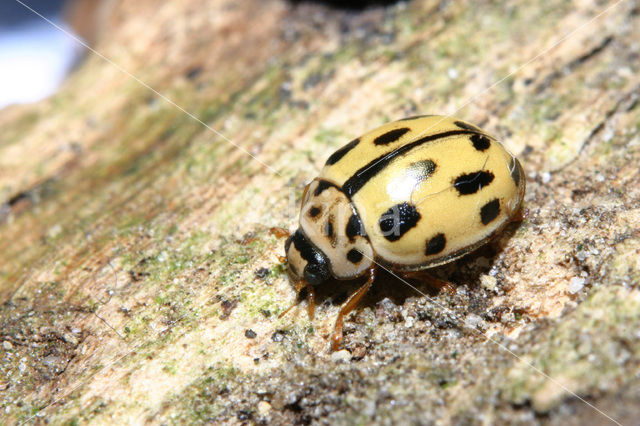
column 351, row 303
column 275, row 231
column 440, row 284
column 311, row 299
column 247, row 241
column 520, row 215
column 299, row 286
column 279, row 232
column 434, row 282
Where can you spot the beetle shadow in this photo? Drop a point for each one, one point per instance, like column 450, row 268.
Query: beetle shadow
column 463, row 272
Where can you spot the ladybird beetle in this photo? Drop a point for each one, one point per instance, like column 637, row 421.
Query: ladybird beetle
column 410, row 195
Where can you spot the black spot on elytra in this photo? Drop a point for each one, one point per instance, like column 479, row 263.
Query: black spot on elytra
column 314, row 211
column 467, row 126
column 391, row 136
column 515, row 171
column 355, row 228
column 480, row 142
column 398, row 220
column 436, row 244
column 337, row 156
column 490, row 211
column 322, row 185
column 354, row 256
column 367, row 172
column 473, row 182
column 423, row 169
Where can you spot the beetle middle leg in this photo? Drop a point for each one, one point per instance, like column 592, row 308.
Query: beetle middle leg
column 349, row 306
column 434, row 282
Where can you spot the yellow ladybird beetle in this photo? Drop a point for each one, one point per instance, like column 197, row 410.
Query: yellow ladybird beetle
column 410, row 195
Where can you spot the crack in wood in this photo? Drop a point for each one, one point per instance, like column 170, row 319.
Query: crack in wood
column 632, row 98
column 569, row 67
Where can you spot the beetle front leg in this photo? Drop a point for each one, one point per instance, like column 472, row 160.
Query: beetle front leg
column 311, row 299
column 279, row 232
column 299, row 286
column 351, row 303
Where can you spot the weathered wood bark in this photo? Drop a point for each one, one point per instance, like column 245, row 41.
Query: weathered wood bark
column 139, row 282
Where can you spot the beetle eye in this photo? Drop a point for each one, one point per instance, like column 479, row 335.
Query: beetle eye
column 316, row 273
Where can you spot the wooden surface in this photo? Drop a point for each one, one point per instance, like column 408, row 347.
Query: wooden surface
column 134, row 245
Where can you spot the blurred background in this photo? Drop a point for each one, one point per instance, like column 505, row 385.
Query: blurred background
column 35, row 56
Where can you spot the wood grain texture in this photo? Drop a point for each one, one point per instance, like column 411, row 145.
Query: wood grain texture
column 135, row 253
